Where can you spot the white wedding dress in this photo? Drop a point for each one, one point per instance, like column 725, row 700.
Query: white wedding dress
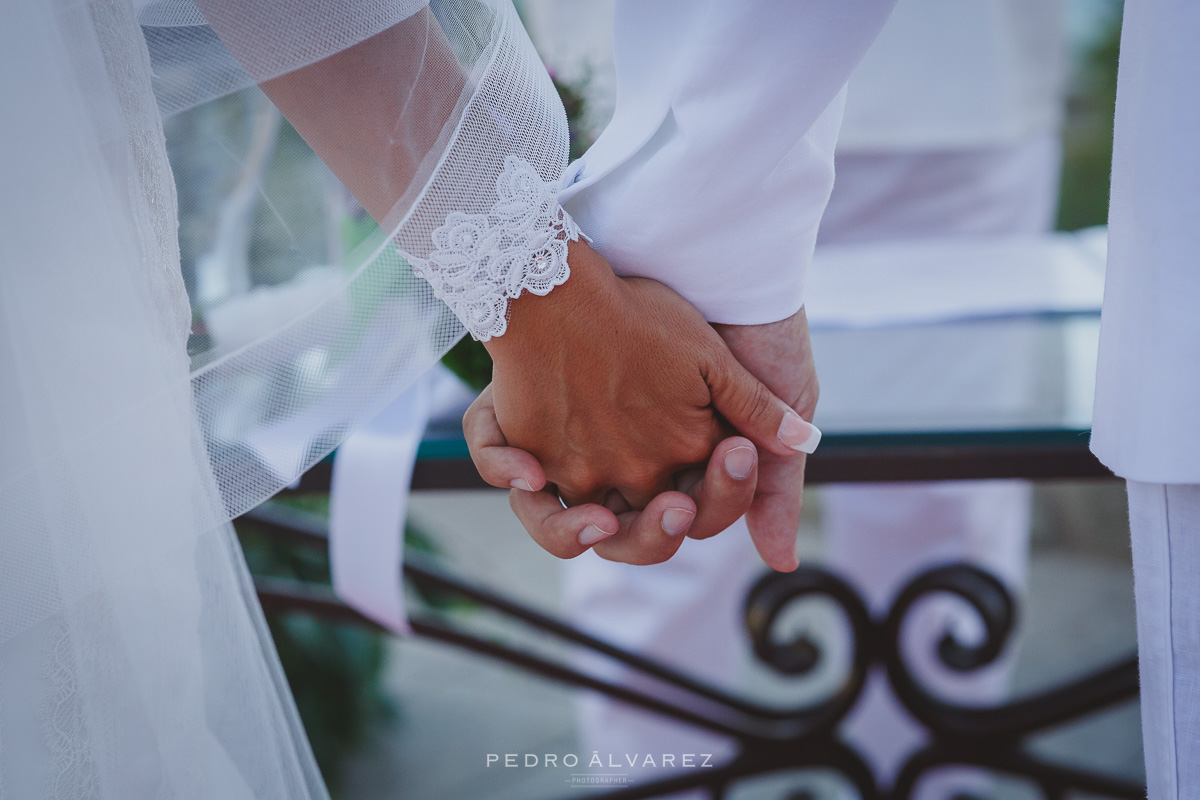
column 134, row 662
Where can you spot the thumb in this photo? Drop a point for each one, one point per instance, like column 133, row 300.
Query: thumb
column 756, row 412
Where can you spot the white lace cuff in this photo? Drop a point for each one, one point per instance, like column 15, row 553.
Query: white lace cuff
column 481, row 261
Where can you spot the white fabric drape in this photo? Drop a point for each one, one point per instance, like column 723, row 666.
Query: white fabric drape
column 133, row 658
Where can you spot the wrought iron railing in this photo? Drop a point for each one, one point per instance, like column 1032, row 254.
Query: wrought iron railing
column 778, row 739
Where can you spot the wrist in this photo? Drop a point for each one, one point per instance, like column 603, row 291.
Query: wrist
column 536, row 321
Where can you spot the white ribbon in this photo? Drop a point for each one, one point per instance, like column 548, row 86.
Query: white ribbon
column 368, row 498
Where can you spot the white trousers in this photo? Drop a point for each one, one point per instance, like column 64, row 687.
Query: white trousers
column 1164, row 523
column 688, row 611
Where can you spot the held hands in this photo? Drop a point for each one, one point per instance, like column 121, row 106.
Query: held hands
column 616, row 392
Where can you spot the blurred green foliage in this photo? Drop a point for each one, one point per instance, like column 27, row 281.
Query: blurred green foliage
column 575, row 104
column 470, row 361
column 1087, row 133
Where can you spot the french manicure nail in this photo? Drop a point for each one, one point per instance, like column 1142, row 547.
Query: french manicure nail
column 592, row 534
column 676, row 520
column 522, row 484
column 739, row 461
column 797, row 434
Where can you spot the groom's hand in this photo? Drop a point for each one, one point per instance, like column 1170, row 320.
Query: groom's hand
column 780, row 353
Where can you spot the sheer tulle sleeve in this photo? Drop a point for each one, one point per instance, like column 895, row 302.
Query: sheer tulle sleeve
column 439, row 119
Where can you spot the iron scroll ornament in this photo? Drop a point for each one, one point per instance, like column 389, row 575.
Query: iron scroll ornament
column 990, row 738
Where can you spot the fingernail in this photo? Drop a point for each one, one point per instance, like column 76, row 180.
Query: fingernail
column 522, row 484
column 592, row 534
column 739, row 461
column 797, row 434
column 676, row 520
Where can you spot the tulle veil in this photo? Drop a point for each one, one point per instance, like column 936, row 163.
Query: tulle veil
column 192, row 311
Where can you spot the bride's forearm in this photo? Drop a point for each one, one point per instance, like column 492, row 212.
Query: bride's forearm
column 374, row 111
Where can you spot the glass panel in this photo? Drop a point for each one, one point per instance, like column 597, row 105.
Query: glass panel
column 988, row 375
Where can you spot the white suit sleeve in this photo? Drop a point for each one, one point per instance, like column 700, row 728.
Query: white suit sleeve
column 714, row 173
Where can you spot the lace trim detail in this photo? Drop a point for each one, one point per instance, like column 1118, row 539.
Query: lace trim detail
column 481, row 261
column 72, row 767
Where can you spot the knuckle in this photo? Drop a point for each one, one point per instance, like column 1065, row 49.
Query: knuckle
column 716, row 372
column 575, row 489
column 643, row 557
column 759, row 402
column 491, row 467
column 561, row 549
column 643, row 477
column 715, row 352
column 473, row 410
column 694, row 452
column 806, row 405
column 649, row 558
column 574, row 471
column 495, row 480
column 473, row 438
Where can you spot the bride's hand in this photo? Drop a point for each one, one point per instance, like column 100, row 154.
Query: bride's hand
column 614, row 386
